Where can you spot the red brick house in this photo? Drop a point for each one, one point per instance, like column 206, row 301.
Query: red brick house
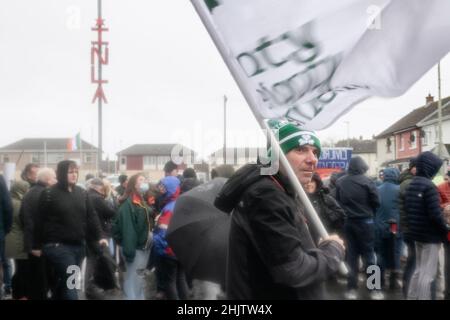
column 403, row 140
column 150, row 158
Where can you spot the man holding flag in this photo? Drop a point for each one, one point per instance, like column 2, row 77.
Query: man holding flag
column 309, row 63
column 271, row 252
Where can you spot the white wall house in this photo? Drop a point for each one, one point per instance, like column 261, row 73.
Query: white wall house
column 430, row 129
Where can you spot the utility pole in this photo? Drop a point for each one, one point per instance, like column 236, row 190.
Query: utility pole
column 440, row 147
column 100, row 113
column 224, row 128
column 102, row 58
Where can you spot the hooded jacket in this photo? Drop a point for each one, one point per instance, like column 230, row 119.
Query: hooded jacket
column 404, row 179
column 389, row 196
column 172, row 186
column 333, row 179
column 271, row 253
column 356, row 193
column 65, row 216
column 14, row 248
column 6, row 210
column 329, row 211
column 424, row 215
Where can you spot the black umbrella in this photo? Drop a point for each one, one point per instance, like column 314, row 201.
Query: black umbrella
column 198, row 233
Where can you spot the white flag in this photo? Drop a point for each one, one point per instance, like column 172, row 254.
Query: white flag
column 311, row 61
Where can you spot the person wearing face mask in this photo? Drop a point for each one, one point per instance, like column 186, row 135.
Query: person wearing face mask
column 132, row 231
column 66, row 222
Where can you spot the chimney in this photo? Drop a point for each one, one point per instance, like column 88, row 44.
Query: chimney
column 429, row 99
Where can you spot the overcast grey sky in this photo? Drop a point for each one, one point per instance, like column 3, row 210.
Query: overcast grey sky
column 166, row 78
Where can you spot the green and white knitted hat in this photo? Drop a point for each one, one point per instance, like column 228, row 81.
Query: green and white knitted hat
column 291, row 136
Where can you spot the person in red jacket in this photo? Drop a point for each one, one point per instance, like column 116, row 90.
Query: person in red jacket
column 444, row 197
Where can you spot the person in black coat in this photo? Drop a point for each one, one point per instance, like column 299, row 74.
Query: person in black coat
column 6, row 214
column 46, row 177
column 334, row 177
column 358, row 196
column 66, row 221
column 329, row 211
column 271, row 254
column 29, row 173
column 189, row 180
column 105, row 212
column 106, row 215
column 426, row 224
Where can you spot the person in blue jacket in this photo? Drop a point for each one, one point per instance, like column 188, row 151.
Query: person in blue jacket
column 387, row 237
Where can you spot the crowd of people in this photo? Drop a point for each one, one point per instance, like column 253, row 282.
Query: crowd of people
column 49, row 223
column 399, row 223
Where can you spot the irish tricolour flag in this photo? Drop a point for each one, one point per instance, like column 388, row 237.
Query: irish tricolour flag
column 74, row 143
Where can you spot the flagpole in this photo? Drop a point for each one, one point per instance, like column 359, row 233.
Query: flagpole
column 45, row 153
column 311, row 213
column 81, row 151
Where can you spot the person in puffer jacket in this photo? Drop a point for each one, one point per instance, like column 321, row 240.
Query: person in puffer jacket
column 172, row 279
column 426, row 224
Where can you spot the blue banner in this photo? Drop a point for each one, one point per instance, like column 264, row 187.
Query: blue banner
column 335, row 158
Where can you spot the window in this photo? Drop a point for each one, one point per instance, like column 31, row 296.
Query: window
column 388, row 145
column 425, row 137
column 123, row 160
column 55, row 157
column 413, row 140
column 35, row 158
column 401, row 143
column 4, row 158
column 88, row 158
column 149, row 160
